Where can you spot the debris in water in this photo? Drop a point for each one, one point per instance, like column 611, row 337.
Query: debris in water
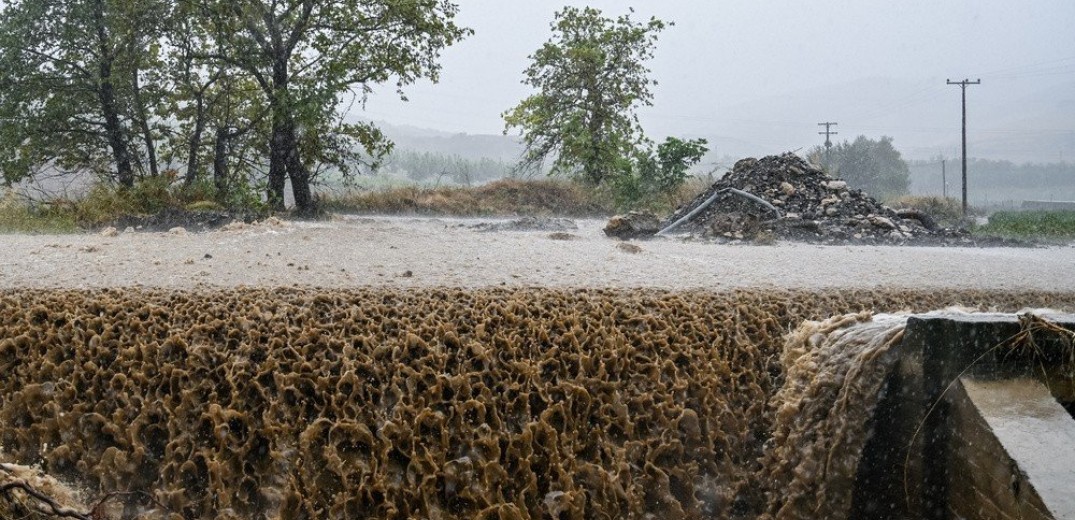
column 529, row 224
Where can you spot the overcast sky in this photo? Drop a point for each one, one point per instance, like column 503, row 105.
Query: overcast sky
column 724, row 63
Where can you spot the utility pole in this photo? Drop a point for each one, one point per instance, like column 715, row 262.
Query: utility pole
column 963, row 86
column 828, row 143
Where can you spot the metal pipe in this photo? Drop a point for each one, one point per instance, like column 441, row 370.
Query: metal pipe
column 704, row 205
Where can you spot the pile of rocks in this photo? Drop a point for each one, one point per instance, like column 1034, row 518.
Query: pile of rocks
column 794, row 200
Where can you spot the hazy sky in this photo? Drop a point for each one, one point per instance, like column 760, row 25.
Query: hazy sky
column 724, row 63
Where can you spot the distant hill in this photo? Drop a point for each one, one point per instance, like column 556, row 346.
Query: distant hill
column 469, row 146
column 1008, row 119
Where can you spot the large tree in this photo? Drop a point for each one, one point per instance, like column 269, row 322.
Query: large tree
column 73, row 89
column 306, row 56
column 875, row 167
column 219, row 111
column 590, row 78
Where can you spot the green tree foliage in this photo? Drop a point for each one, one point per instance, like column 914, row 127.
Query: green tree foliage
column 140, row 87
column 875, row 167
column 590, row 78
column 309, row 56
column 73, row 90
column 650, row 175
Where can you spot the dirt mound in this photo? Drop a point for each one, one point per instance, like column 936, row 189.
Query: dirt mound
column 782, row 196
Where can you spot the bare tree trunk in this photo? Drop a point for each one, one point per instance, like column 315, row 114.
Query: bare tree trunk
column 106, row 94
column 282, row 134
column 220, row 161
column 277, row 166
column 143, row 123
column 300, row 178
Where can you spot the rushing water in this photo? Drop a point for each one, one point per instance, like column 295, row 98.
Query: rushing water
column 445, row 403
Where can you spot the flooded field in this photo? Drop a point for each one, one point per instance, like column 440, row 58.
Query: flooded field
column 417, row 252
column 442, row 403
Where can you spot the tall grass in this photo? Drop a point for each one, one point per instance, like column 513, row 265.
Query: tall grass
column 17, row 215
column 101, row 205
column 505, row 197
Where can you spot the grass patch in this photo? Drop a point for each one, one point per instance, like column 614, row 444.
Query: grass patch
column 105, row 204
column 18, row 216
column 505, row 197
column 1049, row 225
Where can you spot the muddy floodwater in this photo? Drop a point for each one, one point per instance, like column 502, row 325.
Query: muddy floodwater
column 422, row 252
column 402, row 368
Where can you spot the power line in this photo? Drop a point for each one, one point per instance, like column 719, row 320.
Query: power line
column 963, row 86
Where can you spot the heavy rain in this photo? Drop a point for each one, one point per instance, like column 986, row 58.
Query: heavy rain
column 444, row 259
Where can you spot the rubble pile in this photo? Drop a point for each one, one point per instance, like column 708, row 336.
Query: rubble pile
column 803, row 203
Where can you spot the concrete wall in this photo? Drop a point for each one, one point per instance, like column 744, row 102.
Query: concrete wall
column 936, row 454
column 988, row 478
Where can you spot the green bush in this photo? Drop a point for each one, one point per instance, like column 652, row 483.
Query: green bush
column 652, row 178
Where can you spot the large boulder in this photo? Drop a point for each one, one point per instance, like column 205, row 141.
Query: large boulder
column 636, row 224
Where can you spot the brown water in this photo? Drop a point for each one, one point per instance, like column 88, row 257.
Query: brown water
column 521, row 403
column 834, row 373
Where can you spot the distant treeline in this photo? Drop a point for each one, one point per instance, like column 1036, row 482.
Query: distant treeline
column 441, row 168
column 992, row 182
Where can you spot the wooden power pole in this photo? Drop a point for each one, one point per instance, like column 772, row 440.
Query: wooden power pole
column 963, row 86
column 828, row 143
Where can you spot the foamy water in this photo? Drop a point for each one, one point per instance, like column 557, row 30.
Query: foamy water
column 452, row 403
